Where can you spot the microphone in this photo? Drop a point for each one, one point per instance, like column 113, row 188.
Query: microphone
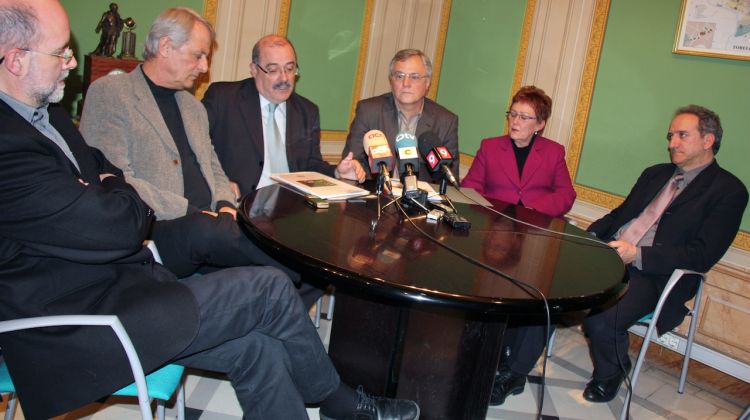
column 406, row 145
column 436, row 156
column 379, row 155
column 408, row 159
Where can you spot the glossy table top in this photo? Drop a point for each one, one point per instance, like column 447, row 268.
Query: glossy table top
column 397, row 261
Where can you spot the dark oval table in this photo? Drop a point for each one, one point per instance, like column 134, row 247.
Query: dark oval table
column 415, row 320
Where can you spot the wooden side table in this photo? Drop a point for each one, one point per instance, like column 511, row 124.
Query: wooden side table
column 96, row 66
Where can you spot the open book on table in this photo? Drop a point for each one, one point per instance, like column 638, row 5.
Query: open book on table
column 319, row 185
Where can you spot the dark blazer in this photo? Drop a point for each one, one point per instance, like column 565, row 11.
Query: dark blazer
column 236, row 129
column 380, row 113
column 693, row 233
column 70, row 244
column 545, row 185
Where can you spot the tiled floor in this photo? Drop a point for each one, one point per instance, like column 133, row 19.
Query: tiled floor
column 210, row 397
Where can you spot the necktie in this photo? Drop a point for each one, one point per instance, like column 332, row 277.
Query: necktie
column 276, row 148
column 653, row 212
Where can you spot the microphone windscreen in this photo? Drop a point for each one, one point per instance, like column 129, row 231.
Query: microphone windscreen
column 371, row 138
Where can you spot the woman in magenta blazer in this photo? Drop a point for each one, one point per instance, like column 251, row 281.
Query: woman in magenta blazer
column 523, row 167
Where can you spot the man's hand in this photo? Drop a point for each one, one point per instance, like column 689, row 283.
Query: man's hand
column 350, row 168
column 105, row 175
column 625, row 250
column 229, row 210
column 235, row 189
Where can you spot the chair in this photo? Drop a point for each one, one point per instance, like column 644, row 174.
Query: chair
column 651, row 321
column 329, row 312
column 159, row 385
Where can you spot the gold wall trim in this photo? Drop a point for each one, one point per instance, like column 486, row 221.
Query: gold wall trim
column 333, row 135
column 364, row 46
column 599, row 197
column 465, row 160
column 586, row 92
column 437, row 62
column 523, row 48
column 284, row 10
column 209, row 12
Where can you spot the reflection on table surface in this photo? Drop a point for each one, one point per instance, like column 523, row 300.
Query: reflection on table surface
column 572, row 271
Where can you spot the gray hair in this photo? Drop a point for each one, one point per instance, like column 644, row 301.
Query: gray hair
column 19, row 27
column 708, row 123
column 176, row 24
column 406, row 54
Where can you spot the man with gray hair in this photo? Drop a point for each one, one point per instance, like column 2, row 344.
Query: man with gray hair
column 405, row 110
column 71, row 242
column 150, row 126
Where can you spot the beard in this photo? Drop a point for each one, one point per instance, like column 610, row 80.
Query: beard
column 51, row 94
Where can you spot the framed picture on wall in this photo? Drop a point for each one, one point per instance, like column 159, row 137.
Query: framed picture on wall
column 714, row 28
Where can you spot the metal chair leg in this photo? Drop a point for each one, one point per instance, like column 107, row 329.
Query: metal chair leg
column 690, row 337
column 551, row 343
column 10, row 409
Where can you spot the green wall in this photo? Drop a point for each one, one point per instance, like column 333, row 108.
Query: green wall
column 326, row 35
column 478, row 65
column 84, row 16
column 639, row 85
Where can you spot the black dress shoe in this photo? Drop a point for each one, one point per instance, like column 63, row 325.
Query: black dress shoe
column 506, row 383
column 370, row 407
column 600, row 391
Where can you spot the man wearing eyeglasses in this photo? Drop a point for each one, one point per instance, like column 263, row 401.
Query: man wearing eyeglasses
column 150, row 126
column 404, row 110
column 260, row 126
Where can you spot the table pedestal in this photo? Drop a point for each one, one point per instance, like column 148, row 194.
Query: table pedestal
column 444, row 359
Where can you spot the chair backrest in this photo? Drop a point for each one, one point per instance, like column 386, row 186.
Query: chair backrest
column 111, row 321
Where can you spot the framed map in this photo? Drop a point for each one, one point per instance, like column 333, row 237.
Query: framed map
column 714, row 28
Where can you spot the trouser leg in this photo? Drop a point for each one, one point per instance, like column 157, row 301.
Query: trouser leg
column 607, row 329
column 254, row 328
column 198, row 239
column 526, row 344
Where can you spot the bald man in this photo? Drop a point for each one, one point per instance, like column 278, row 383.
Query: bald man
column 238, row 114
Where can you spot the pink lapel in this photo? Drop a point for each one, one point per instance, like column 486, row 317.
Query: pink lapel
column 533, row 162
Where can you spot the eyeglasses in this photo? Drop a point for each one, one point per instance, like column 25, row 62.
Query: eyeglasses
column 414, row 77
column 524, row 117
column 66, row 55
column 292, row 69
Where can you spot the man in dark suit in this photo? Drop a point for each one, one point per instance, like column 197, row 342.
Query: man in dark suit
column 405, row 110
column 701, row 218
column 71, row 242
column 238, row 115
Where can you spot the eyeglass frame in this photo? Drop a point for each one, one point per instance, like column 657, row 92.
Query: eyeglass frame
column 67, row 55
column 522, row 117
column 414, row 77
column 270, row 73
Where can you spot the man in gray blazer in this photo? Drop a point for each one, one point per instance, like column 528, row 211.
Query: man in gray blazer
column 405, row 110
column 148, row 125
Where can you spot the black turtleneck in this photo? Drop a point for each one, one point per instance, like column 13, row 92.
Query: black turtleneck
column 521, row 154
column 196, row 188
